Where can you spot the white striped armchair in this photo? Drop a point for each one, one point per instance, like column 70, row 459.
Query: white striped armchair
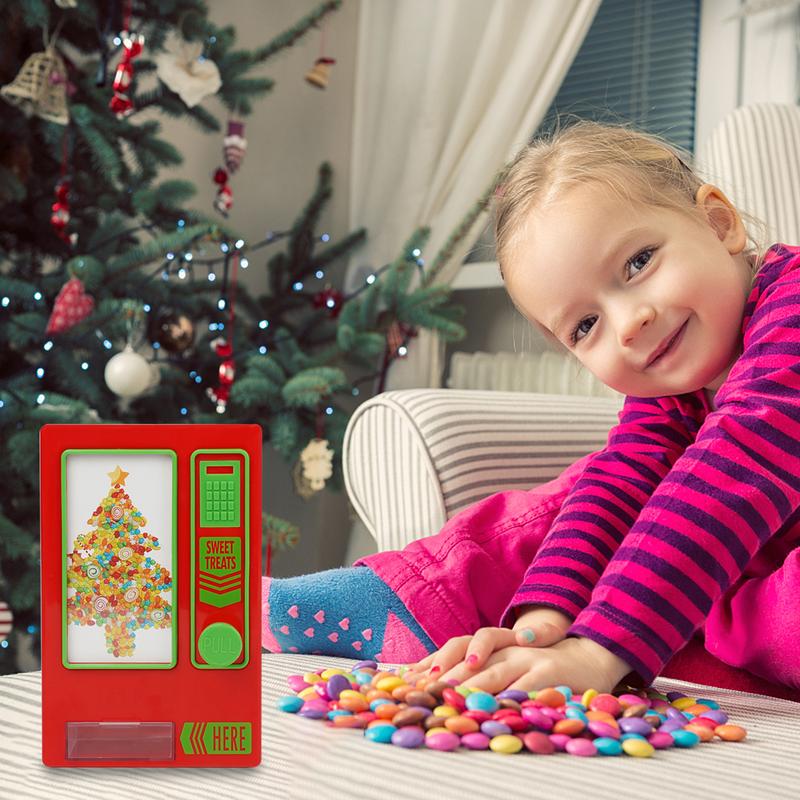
column 413, row 458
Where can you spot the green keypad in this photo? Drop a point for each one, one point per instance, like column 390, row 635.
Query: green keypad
column 220, row 494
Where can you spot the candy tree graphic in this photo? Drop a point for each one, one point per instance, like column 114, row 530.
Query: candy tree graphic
column 117, row 585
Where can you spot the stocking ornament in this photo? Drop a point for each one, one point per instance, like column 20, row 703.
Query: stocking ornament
column 71, row 306
column 120, row 103
column 234, row 146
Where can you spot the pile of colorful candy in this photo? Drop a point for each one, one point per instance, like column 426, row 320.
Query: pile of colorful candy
column 444, row 715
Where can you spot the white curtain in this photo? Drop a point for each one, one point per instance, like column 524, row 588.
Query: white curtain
column 446, row 92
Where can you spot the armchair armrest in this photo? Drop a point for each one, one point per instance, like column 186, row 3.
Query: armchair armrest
column 413, row 458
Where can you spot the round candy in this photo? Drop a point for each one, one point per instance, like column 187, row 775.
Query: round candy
column 512, row 694
column 411, row 736
column 635, row 725
column 538, row 742
column 289, row 703
column 495, row 728
column 443, row 741
column 607, row 746
column 550, row 697
column 482, row 701
column 380, row 733
column 505, row 743
column 336, row 685
column 475, row 741
column 684, row 738
column 640, row 748
column 580, row 747
column 730, row 733
column 660, row 740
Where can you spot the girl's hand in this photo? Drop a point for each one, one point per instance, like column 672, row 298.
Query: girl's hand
column 547, row 625
column 577, row 662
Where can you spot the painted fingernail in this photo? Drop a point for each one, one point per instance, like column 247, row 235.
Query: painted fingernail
column 472, row 658
column 528, row 635
column 436, row 669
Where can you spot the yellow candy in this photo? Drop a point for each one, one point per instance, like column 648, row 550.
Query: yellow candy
column 588, row 696
column 332, row 671
column 387, row 684
column 445, row 711
column 312, row 677
column 432, row 731
column 638, row 747
column 684, row 702
column 307, row 693
column 505, row 743
column 352, row 694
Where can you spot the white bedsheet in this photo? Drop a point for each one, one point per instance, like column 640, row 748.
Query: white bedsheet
column 305, row 759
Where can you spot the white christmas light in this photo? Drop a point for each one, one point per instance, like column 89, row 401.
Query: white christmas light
column 187, row 256
column 48, row 345
column 263, row 324
column 224, row 247
column 262, row 350
column 329, row 411
column 170, row 256
column 181, row 273
column 5, row 301
column 401, row 351
column 85, row 365
column 325, row 237
column 184, row 411
column 416, row 252
column 107, row 344
column 146, row 307
column 297, row 286
column 40, row 399
column 370, row 278
column 220, row 304
column 239, row 244
column 40, row 372
column 244, row 263
column 37, row 295
column 211, row 276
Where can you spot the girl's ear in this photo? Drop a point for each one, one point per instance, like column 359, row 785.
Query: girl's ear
column 721, row 215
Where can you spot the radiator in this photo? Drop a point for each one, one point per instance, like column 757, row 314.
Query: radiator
column 548, row 372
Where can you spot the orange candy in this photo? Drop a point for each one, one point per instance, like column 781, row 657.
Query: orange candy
column 730, row 733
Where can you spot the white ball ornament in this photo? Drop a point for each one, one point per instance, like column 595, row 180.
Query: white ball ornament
column 128, row 374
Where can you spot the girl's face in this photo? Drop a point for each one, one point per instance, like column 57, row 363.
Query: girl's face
column 622, row 278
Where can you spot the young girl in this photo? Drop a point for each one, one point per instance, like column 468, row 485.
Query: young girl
column 686, row 523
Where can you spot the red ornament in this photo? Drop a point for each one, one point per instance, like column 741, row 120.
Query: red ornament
column 71, row 306
column 120, row 103
column 60, row 216
column 227, row 373
column 223, row 202
column 321, row 300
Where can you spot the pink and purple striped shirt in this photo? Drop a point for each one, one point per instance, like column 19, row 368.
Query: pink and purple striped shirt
column 684, row 497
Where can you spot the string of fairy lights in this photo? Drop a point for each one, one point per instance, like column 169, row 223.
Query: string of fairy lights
column 183, row 266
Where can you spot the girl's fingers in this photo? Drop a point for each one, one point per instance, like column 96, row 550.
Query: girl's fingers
column 485, row 642
column 542, row 634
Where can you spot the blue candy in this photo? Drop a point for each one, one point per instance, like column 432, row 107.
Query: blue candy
column 607, row 746
column 289, row 703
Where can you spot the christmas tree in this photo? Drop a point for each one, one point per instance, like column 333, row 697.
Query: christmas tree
column 116, row 584
column 119, row 302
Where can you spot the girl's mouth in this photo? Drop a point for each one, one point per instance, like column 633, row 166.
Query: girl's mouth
column 671, row 348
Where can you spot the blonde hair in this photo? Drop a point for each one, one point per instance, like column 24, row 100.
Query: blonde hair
column 632, row 164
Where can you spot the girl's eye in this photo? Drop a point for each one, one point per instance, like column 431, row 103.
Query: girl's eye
column 640, row 260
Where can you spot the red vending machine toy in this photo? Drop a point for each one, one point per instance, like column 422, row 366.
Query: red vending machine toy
column 151, row 566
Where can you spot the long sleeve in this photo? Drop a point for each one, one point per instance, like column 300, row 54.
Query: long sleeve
column 727, row 495
column 602, row 506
